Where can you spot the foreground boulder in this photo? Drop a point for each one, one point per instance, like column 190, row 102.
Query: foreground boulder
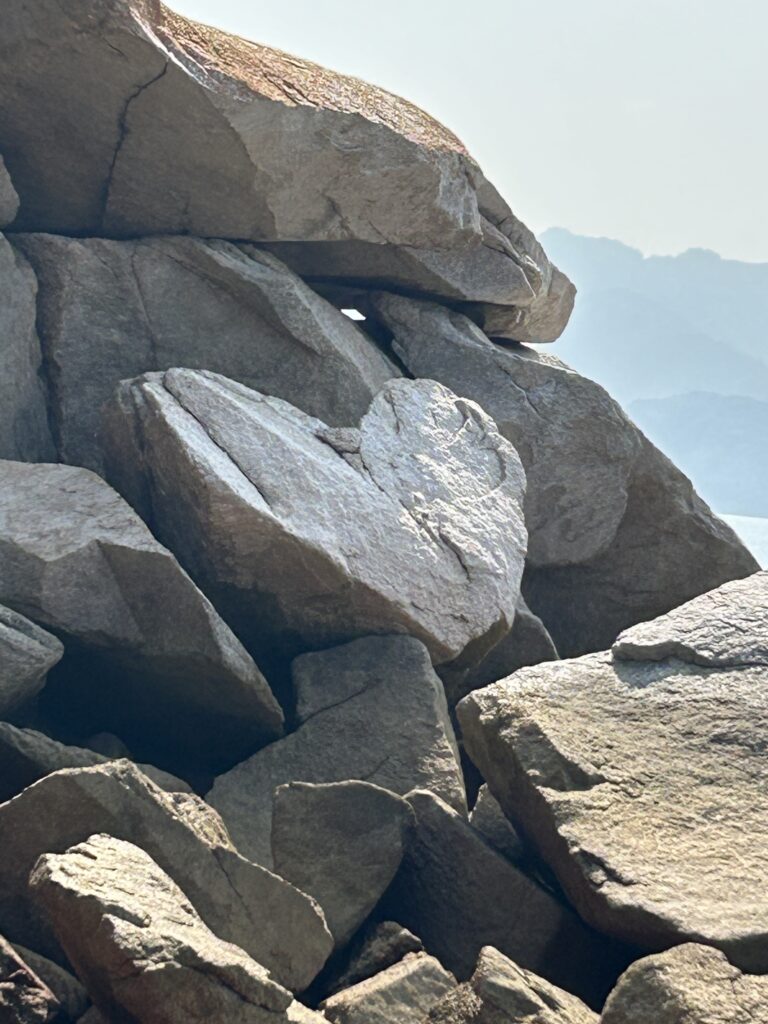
column 690, row 984
column 640, row 784
column 24, row 997
column 372, row 710
column 240, row 901
column 111, row 310
column 305, row 536
column 144, row 647
column 9, row 200
column 26, row 654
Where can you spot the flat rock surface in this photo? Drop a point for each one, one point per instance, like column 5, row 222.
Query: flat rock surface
column 372, row 710
column 641, row 784
column 305, row 536
column 24, row 997
column 26, row 654
column 145, row 646
column 9, row 200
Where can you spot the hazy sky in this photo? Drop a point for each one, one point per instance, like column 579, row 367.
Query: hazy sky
column 643, row 120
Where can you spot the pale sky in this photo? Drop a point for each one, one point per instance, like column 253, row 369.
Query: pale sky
column 642, row 120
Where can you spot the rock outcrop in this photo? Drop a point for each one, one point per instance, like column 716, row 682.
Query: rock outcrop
column 26, row 654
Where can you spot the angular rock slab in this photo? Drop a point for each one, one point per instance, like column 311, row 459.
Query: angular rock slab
column 340, row 843
column 26, row 654
column 500, row 992
column 641, row 784
column 378, row 947
column 139, row 945
column 145, row 647
column 372, row 710
column 404, row 992
column 111, row 310
column 726, row 627
column 458, row 894
column 24, row 997
column 489, row 820
column 241, row 902
column 9, row 199
column 305, row 536
column 689, row 984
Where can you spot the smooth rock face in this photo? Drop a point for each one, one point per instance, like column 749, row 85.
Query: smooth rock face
column 306, row 536
column 26, row 654
column 372, row 710
column 240, row 901
column 24, row 430
column 111, row 310
column 458, row 894
column 641, row 785
column 489, row 820
column 500, row 992
column 65, row 987
column 24, row 997
column 139, row 944
column 379, row 947
column 9, row 200
column 340, row 843
column 404, row 992
column 689, row 984
column 144, row 647
column 727, row 626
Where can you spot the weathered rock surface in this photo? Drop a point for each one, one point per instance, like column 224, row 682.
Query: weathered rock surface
column 500, row 992
column 641, row 784
column 372, row 710
column 140, row 946
column 340, row 843
column 458, row 894
column 24, row 430
column 305, row 536
column 378, row 947
column 72, row 996
column 240, row 901
column 727, row 626
column 111, row 310
column 24, row 997
column 489, row 820
column 404, row 992
column 9, row 199
column 144, row 647
column 26, row 654
column 689, row 984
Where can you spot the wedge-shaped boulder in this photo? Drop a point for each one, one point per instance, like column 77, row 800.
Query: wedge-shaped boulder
column 689, row 984
column 111, row 310
column 458, row 894
column 147, row 654
column 65, row 987
column 9, row 200
column 140, row 946
column 372, row 710
column 24, row 997
column 490, row 821
column 340, row 843
column 500, row 992
column 641, row 784
column 240, row 901
column 26, row 654
column 304, row 535
column 404, row 992
column 377, row 947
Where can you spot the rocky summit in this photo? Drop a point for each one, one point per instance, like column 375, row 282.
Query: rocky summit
column 370, row 670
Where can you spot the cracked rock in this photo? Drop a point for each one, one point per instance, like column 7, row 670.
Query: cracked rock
column 144, row 646
column 372, row 710
column 9, row 200
column 24, row 997
column 641, row 784
column 111, row 310
column 240, row 901
column 302, row 543
column 26, row 654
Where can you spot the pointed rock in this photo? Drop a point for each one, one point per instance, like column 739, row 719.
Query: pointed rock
column 24, row 997
column 26, row 654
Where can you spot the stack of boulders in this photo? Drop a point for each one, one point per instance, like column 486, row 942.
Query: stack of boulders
column 359, row 661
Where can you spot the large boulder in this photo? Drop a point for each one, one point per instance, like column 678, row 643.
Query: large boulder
column 26, row 654
column 641, row 784
column 372, row 710
column 147, row 655
column 9, row 199
column 24, row 997
column 404, row 992
column 240, row 901
column 305, row 535
column 111, row 310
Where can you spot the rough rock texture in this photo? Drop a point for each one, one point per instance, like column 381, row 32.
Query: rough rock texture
column 111, row 310
column 641, row 784
column 690, row 984
column 144, row 646
column 72, row 996
column 24, row 430
column 404, row 992
column 378, row 947
column 140, row 946
column 372, row 710
column 728, row 626
column 240, row 901
column 26, row 654
column 500, row 992
column 458, row 894
column 340, row 843
column 9, row 200
column 24, row 997
column 305, row 536
column 489, row 820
